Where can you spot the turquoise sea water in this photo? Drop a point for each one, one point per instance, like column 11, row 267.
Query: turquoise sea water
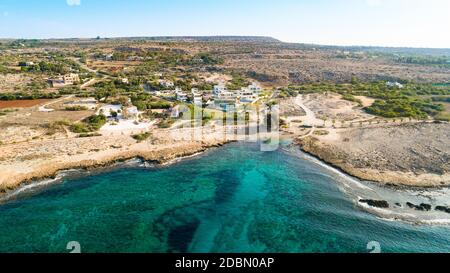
column 232, row 199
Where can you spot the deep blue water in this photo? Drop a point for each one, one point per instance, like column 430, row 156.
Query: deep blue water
column 232, row 199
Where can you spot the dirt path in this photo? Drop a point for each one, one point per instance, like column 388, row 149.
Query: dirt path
column 88, row 83
column 310, row 118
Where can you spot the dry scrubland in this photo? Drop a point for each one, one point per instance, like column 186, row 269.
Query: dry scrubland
column 390, row 151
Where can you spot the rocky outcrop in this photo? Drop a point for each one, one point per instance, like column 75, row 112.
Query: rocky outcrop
column 42, row 169
column 421, row 207
column 443, row 209
column 375, row 203
column 379, row 163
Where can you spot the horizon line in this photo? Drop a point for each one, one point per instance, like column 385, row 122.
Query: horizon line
column 225, row 36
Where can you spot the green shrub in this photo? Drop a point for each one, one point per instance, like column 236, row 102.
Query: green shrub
column 443, row 117
column 95, row 122
column 141, row 137
column 89, row 125
column 83, row 135
column 79, row 128
column 166, row 123
column 76, row 108
column 352, row 98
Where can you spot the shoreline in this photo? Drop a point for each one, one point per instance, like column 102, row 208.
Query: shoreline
column 43, row 182
column 50, row 170
column 167, row 157
column 356, row 184
column 403, row 203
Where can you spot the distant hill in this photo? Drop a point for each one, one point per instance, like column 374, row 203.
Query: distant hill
column 251, row 39
column 405, row 50
column 376, row 49
column 256, row 39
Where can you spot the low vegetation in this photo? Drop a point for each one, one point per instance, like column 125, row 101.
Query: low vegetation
column 85, row 135
column 166, row 123
column 89, row 125
column 413, row 100
column 440, row 61
column 28, row 96
column 147, row 102
column 76, row 108
column 57, row 127
column 142, row 137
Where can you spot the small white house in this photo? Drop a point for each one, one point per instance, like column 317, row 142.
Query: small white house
column 180, row 95
column 197, row 97
column 394, row 84
column 226, row 95
column 166, row 84
column 220, row 88
column 246, row 95
column 68, row 79
column 255, row 88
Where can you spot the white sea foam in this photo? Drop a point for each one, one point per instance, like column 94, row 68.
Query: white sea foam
column 357, row 190
column 34, row 185
column 179, row 159
column 335, row 171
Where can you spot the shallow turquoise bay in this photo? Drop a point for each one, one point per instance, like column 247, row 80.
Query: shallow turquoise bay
column 232, row 199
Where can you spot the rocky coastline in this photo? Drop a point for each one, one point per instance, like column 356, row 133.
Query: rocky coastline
column 18, row 176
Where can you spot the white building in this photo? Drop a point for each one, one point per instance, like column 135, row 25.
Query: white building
column 246, row 95
column 68, row 79
column 226, row 95
column 220, row 88
column 221, row 92
column 394, row 84
column 255, row 88
column 166, row 84
column 250, row 93
column 197, row 97
column 180, row 95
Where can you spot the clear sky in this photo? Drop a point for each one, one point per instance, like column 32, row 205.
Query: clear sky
column 413, row 23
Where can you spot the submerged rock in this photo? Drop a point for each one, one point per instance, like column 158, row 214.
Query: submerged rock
column 427, row 207
column 375, row 203
column 421, row 207
column 442, row 208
